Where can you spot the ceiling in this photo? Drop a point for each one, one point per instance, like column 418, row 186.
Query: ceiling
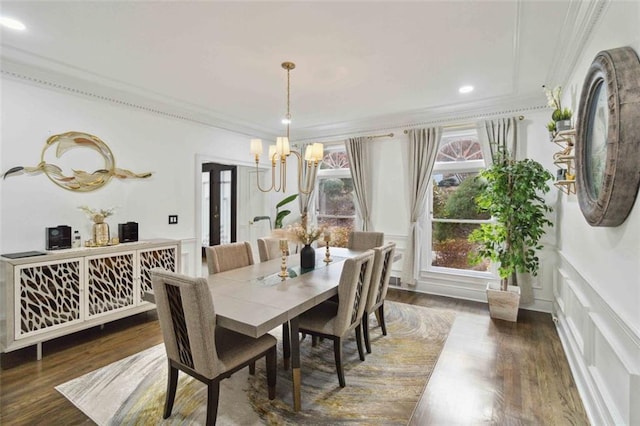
column 357, row 63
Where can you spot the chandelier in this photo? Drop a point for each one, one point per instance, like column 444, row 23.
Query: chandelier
column 280, row 152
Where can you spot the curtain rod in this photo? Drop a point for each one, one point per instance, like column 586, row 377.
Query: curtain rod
column 461, row 126
column 388, row 135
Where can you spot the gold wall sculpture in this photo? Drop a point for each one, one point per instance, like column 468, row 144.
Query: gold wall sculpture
column 80, row 180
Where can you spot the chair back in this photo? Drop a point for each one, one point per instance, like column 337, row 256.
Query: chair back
column 187, row 320
column 352, row 291
column 382, row 262
column 228, row 256
column 361, row 240
column 269, row 248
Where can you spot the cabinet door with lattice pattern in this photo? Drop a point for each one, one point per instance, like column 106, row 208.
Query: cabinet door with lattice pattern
column 162, row 257
column 48, row 296
column 110, row 283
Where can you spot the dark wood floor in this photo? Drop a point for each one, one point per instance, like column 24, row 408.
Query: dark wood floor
column 489, row 371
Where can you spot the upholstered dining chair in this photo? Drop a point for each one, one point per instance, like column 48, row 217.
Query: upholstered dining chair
column 228, row 256
column 196, row 345
column 362, row 240
column 334, row 320
column 269, row 248
column 380, row 276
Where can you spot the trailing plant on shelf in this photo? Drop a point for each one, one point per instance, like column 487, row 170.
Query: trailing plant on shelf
column 513, row 195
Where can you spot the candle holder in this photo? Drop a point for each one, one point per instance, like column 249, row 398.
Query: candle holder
column 284, row 248
column 327, row 254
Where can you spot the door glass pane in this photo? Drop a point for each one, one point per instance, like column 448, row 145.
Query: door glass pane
column 205, row 209
column 225, row 206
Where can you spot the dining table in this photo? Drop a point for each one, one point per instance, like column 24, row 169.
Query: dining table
column 255, row 299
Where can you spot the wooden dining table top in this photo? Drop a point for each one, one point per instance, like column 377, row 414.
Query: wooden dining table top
column 253, row 300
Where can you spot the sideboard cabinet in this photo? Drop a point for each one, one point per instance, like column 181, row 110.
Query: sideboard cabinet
column 64, row 291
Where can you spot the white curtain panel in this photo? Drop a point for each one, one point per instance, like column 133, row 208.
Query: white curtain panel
column 498, row 135
column 423, row 149
column 306, row 200
column 360, row 164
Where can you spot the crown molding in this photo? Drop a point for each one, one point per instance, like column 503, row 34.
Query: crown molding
column 59, row 77
column 435, row 116
column 580, row 21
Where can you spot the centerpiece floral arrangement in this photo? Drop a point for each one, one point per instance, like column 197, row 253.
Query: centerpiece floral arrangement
column 303, row 235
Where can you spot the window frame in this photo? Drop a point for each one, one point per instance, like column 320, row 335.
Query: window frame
column 444, row 167
column 338, row 174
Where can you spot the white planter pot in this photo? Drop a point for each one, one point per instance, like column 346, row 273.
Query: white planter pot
column 503, row 304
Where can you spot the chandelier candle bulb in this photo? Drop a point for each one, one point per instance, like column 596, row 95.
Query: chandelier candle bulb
column 272, row 153
column 308, row 153
column 256, row 147
column 282, row 146
column 318, row 151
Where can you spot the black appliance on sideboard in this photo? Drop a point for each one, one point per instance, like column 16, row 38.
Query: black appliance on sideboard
column 128, row 232
column 58, row 238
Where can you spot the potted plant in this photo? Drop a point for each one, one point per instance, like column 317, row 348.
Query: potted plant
column 561, row 117
column 513, row 195
column 551, row 126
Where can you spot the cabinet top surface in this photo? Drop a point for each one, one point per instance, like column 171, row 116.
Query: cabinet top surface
column 52, row 255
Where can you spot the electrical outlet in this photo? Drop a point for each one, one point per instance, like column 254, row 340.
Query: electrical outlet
column 173, row 219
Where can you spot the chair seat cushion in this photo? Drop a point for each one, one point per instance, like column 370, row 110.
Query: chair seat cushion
column 235, row 349
column 320, row 318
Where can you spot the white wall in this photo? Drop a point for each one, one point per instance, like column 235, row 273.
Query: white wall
column 597, row 284
column 140, row 141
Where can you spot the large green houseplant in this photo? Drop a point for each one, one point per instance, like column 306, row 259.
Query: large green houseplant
column 513, row 195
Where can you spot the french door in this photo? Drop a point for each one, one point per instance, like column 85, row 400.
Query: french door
column 219, row 204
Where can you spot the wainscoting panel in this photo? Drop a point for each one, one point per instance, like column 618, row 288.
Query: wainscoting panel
column 188, row 257
column 603, row 351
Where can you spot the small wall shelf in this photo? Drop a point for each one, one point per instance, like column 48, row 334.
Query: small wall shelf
column 565, row 161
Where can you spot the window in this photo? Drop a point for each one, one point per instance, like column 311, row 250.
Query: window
column 335, row 206
column 453, row 214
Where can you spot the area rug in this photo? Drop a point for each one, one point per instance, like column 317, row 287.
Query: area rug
column 383, row 389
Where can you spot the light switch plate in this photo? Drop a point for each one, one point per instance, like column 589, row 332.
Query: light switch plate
column 173, row 219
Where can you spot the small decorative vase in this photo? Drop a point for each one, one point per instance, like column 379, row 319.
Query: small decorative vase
column 100, row 231
column 307, row 257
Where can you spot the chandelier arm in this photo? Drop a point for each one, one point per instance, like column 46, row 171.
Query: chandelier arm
column 258, row 179
column 306, row 181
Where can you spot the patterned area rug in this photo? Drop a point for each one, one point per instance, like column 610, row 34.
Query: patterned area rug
column 383, row 389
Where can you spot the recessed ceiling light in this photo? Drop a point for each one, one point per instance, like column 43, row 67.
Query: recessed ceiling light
column 465, row 89
column 14, row 24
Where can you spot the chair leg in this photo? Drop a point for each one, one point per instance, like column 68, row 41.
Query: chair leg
column 365, row 331
column 383, row 325
column 213, row 392
column 314, row 341
column 172, row 384
column 359, row 341
column 286, row 345
column 252, row 368
column 271, row 360
column 337, row 352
